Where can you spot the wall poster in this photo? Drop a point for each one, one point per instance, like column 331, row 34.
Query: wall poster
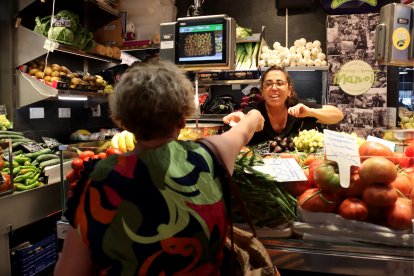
column 357, row 84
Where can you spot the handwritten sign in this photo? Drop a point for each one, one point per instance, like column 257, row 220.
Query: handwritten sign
column 51, row 142
column 386, row 143
column 282, row 169
column 32, row 146
column 343, row 149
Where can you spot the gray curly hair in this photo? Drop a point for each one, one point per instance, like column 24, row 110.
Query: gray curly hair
column 151, row 99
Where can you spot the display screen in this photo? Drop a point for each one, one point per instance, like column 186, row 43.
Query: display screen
column 201, row 42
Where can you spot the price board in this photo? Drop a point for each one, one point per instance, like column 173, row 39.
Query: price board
column 32, row 146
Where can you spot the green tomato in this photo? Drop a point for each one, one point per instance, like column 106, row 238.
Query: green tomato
column 326, row 177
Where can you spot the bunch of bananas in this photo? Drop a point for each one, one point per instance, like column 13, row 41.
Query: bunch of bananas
column 125, row 141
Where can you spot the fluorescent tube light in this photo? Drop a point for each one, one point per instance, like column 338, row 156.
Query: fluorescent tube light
column 403, row 73
column 72, row 98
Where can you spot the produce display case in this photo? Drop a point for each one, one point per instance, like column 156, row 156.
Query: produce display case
column 323, row 241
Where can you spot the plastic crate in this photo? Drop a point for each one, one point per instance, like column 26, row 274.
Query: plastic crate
column 35, row 258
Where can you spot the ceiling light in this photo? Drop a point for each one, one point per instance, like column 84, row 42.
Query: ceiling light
column 403, row 73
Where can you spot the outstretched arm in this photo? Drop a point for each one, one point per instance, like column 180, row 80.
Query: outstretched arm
column 328, row 114
column 230, row 142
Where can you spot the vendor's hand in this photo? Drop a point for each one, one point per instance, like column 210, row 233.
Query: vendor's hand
column 233, row 118
column 260, row 118
column 299, row 111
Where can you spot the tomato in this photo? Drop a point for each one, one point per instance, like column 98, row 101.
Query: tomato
column 111, row 151
column 1, row 163
column 409, row 151
column 86, row 155
column 315, row 200
column 377, row 170
column 356, row 186
column 312, row 166
column 4, row 182
column 72, row 176
column 309, row 159
column 371, row 149
column 326, row 176
column 295, row 188
column 377, row 214
column 401, row 159
column 353, row 208
column 399, row 216
column 77, row 164
column 403, row 184
column 379, row 195
column 101, row 155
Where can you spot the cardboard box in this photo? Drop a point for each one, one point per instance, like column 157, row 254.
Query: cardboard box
column 110, row 34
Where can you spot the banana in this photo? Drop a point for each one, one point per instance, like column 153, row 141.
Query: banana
column 115, row 140
column 121, row 142
column 129, row 140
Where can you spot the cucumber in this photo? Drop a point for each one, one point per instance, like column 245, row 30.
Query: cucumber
column 50, row 162
column 45, row 157
column 9, row 132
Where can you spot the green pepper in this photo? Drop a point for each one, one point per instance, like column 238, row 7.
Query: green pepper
column 23, row 177
column 21, row 159
column 22, row 187
column 24, row 171
column 16, row 170
column 32, row 180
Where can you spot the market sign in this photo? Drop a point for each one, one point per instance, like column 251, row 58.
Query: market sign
column 355, row 77
column 337, row 3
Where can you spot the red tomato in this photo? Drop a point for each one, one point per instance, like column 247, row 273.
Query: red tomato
column 77, row 164
column 379, row 195
column 86, row 154
column 309, row 159
column 315, row 200
column 111, row 151
column 400, row 214
column 377, row 170
column 102, row 155
column 353, row 208
column 403, row 184
column 356, row 186
column 377, row 215
column 1, row 163
column 371, row 149
column 409, row 151
column 72, row 176
column 296, row 188
column 401, row 159
column 5, row 182
column 312, row 166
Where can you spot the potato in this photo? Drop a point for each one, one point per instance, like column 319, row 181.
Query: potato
column 47, row 78
column 55, row 67
column 33, row 71
column 39, row 75
column 48, row 70
column 64, row 69
column 52, row 79
column 75, row 80
column 55, row 74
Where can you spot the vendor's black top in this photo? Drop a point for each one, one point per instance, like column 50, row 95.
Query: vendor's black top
column 293, row 124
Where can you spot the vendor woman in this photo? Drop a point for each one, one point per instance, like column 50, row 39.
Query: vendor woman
column 284, row 113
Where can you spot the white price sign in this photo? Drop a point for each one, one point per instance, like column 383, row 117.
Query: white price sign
column 343, row 149
column 282, row 169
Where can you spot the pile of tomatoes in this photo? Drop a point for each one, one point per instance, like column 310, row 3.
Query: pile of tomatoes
column 381, row 190
column 77, row 164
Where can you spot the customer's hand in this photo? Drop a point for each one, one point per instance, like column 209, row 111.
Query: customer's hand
column 233, row 118
column 259, row 117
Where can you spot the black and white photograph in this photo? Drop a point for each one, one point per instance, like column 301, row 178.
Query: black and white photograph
column 380, row 117
column 338, row 97
column 362, row 117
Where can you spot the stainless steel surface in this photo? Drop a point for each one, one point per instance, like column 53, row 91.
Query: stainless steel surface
column 24, row 208
column 341, row 259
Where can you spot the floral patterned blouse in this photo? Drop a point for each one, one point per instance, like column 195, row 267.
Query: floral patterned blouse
column 155, row 212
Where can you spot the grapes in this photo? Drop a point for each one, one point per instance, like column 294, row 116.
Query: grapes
column 309, row 140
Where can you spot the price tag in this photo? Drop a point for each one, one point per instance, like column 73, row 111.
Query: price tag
column 386, row 143
column 50, row 45
column 343, row 149
column 282, row 169
column 32, row 146
column 6, row 155
column 51, row 142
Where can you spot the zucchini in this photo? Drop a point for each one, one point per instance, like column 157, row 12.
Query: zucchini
column 45, row 157
column 10, row 136
column 34, row 155
column 9, row 132
column 50, row 162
